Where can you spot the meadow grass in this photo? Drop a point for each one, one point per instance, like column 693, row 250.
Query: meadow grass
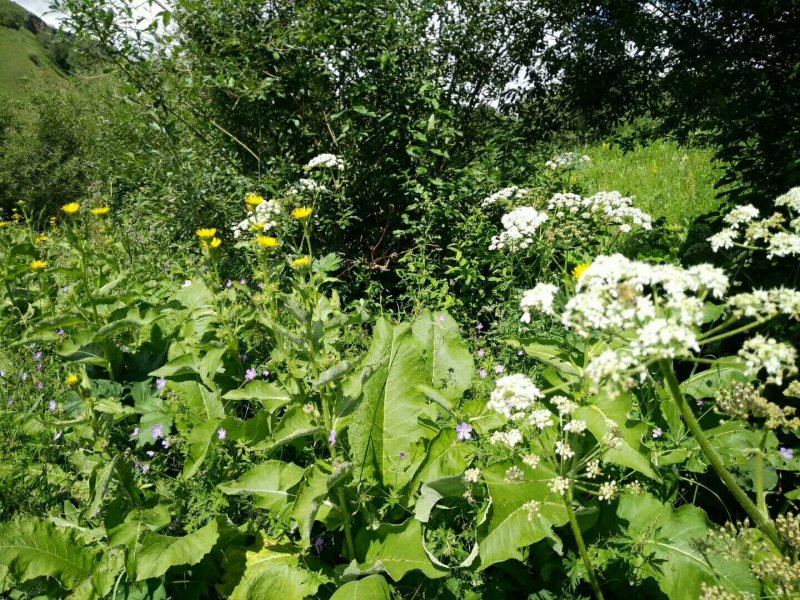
column 667, row 180
column 23, row 60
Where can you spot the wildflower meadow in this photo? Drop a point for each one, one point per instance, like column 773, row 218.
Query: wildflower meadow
column 312, row 312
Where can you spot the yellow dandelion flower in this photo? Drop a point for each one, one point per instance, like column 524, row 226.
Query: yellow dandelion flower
column 100, row 211
column 302, row 213
column 215, row 243
column 578, row 271
column 3, row 224
column 206, row 234
column 267, row 241
column 39, row 265
column 258, row 226
column 72, row 379
column 301, row 262
column 253, row 200
column 71, row 208
column 41, row 238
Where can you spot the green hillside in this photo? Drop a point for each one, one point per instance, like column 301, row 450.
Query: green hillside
column 24, row 56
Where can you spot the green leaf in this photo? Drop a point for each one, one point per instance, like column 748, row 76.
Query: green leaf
column 270, row 482
column 395, row 550
column 203, row 402
column 451, row 364
column 295, row 423
column 631, row 452
column 666, row 540
column 705, row 384
column 157, row 553
column 445, row 457
column 310, row 496
column 549, row 353
column 373, row 587
column 274, row 572
column 269, row 394
column 509, row 526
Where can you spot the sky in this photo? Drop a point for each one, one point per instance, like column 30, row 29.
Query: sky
column 41, row 8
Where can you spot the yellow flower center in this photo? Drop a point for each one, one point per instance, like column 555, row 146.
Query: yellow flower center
column 301, row 262
column 253, row 200
column 578, row 271
column 39, row 265
column 206, row 234
column 267, row 241
column 71, row 208
column 302, row 213
column 100, row 211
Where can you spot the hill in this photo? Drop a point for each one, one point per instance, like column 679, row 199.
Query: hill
column 28, row 49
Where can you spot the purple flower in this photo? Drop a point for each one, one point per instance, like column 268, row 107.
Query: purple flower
column 165, row 443
column 60, row 332
column 481, row 353
column 499, row 369
column 38, row 355
column 161, row 383
column 442, row 318
column 2, row 373
column 221, row 434
column 243, row 356
column 40, row 385
column 157, row 431
column 657, row 433
column 228, row 283
column 482, row 373
column 787, row 453
column 250, row 374
column 243, row 281
column 403, row 455
column 51, row 406
column 318, row 544
column 464, row 431
column 260, row 286
column 332, row 438
column 479, row 326
column 24, row 377
column 265, row 372
column 11, row 402
column 39, row 367
column 700, row 403
column 57, row 436
column 145, row 468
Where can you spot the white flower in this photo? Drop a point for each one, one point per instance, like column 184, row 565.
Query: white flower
column 559, row 485
column 563, row 405
column 514, row 474
column 187, row 283
column 741, row 214
column 577, row 426
column 608, row 491
column 723, row 239
column 512, row 192
column 264, row 217
column 604, row 207
column 513, row 394
column 776, row 358
column 593, row 470
column 539, row 298
column 532, row 460
column 509, row 438
column 790, row 199
column 325, row 161
column 541, row 419
column 472, row 475
column 520, row 227
column 568, row 161
column 532, row 507
column 784, row 244
column 564, row 450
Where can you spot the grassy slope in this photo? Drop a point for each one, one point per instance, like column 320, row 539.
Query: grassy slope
column 667, row 180
column 23, row 59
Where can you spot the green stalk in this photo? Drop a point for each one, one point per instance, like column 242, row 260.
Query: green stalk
column 760, row 518
column 761, row 496
column 576, row 531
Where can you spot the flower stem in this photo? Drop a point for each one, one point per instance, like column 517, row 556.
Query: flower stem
column 576, row 531
column 760, row 518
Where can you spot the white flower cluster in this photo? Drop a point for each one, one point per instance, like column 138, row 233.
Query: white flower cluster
column 539, row 298
column 509, row 193
column 568, row 161
column 660, row 308
column 520, row 227
column 263, row 217
column 776, row 358
column 764, row 304
column 770, row 233
column 611, row 207
column 305, row 186
column 325, row 161
column 513, row 396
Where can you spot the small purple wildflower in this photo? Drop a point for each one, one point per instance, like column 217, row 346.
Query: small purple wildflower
column 442, row 318
column 243, row 281
column 38, row 355
column 479, row 326
column 243, row 356
column 165, row 443
column 39, row 367
column 499, row 369
column 265, row 372
column 481, row 353
column 221, row 434
column 145, row 468
column 403, row 454
column 700, row 403
column 157, row 431
column 40, row 385
column 228, row 283
column 482, row 373
column 332, row 438
column 51, row 406
column 787, row 453
column 60, row 332
column 657, row 433
column 464, row 431
column 161, row 383
column 57, row 436
column 2, row 373
column 24, row 377
column 11, row 402
column 250, row 374
column 318, row 545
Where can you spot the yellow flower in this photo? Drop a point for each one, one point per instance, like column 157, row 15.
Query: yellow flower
column 258, row 226
column 253, row 200
column 267, row 241
column 302, row 213
column 3, row 224
column 72, row 379
column 578, row 271
column 39, row 265
column 100, row 211
column 206, row 234
column 41, row 238
column 301, row 262
column 71, row 208
column 215, row 243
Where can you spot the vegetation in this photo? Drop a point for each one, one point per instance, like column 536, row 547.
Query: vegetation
column 408, row 300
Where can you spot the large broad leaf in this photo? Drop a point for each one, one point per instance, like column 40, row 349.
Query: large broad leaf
column 446, row 456
column 631, row 452
column 271, row 396
column 274, row 572
column 449, row 359
column 706, row 383
column 203, row 402
column 666, row 540
column 310, row 496
column 154, row 553
column 395, row 550
column 373, row 587
column 510, row 525
column 271, row 483
column 198, row 443
column 295, row 423
column 34, row 548
column 386, row 424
